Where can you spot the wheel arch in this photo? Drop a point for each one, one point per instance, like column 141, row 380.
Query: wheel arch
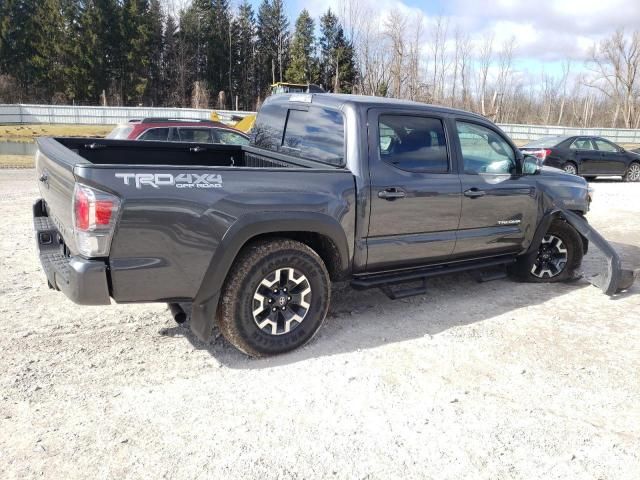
column 320, row 232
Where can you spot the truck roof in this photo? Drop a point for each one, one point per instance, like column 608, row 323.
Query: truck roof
column 339, row 100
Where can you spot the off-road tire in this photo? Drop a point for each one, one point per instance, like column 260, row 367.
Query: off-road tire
column 633, row 173
column 254, row 263
column 572, row 242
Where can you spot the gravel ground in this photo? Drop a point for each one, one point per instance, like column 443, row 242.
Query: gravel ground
column 498, row 380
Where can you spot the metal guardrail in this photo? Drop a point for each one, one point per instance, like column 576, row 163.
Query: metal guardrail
column 67, row 114
column 23, row 113
column 533, row 132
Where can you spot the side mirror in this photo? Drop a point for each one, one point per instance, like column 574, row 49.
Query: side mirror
column 530, row 165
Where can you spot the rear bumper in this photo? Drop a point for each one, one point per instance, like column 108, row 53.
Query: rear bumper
column 83, row 281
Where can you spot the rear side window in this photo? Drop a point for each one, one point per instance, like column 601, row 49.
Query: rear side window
column 228, row 137
column 413, row 143
column 316, row 134
column 155, row 134
column 195, row 135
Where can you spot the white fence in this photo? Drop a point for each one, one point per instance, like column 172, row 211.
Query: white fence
column 21, row 113
column 533, row 132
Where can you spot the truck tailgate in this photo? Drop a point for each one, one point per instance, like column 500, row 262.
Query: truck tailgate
column 54, row 171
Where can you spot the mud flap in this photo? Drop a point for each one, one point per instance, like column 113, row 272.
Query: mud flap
column 613, row 278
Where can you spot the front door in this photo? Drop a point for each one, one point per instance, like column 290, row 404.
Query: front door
column 415, row 191
column 499, row 206
column 612, row 161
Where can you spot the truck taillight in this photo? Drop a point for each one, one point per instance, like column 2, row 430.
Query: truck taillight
column 94, row 213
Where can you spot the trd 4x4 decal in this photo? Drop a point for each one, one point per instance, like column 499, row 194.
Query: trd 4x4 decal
column 182, row 180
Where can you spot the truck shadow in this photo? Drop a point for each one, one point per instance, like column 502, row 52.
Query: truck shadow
column 359, row 320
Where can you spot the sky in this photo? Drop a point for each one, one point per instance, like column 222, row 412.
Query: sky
column 546, row 31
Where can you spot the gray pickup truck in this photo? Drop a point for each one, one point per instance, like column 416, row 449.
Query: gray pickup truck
column 332, row 187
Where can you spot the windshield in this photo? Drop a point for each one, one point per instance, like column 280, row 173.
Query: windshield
column 120, row 133
column 545, row 142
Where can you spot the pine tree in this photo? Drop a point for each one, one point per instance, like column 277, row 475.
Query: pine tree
column 155, row 48
column 219, row 48
column 97, row 52
column 302, row 64
column 243, row 56
column 273, row 42
column 337, row 56
column 171, row 84
column 195, row 31
column 32, row 46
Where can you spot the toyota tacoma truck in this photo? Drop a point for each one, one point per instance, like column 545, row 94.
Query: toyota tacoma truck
column 379, row 192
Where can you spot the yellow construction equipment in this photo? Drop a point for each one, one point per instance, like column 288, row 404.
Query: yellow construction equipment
column 246, row 124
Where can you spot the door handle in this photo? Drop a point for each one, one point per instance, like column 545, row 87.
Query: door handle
column 474, row 193
column 391, row 193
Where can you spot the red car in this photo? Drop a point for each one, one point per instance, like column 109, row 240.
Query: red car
column 178, row 130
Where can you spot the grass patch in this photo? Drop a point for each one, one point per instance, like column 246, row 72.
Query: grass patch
column 28, row 133
column 16, row 161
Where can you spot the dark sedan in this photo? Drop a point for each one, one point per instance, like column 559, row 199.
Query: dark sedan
column 586, row 156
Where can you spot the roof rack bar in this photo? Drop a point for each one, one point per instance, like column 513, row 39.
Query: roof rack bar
column 165, row 119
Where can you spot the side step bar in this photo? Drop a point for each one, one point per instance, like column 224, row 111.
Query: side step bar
column 384, row 281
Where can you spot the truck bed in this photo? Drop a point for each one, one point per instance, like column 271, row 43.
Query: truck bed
column 132, row 152
column 169, row 231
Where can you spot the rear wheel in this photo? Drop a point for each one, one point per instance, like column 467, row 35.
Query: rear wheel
column 275, row 297
column 558, row 257
column 633, row 173
column 571, row 168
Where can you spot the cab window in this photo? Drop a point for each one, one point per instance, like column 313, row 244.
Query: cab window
column 484, row 150
column 605, row 146
column 413, row 143
column 315, row 133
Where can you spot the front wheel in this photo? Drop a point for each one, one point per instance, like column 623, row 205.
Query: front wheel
column 557, row 258
column 633, row 173
column 275, row 297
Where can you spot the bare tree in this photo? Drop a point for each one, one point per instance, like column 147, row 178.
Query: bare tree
column 394, row 29
column 440, row 62
column 615, row 64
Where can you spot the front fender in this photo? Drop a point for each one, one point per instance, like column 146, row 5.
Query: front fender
column 613, row 278
column 249, row 226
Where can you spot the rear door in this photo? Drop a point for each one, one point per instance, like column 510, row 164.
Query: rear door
column 415, row 190
column 586, row 155
column 499, row 206
column 611, row 160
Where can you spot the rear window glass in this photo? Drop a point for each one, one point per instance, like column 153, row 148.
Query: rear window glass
column 546, row 142
column 120, row 133
column 267, row 132
column 316, row 134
